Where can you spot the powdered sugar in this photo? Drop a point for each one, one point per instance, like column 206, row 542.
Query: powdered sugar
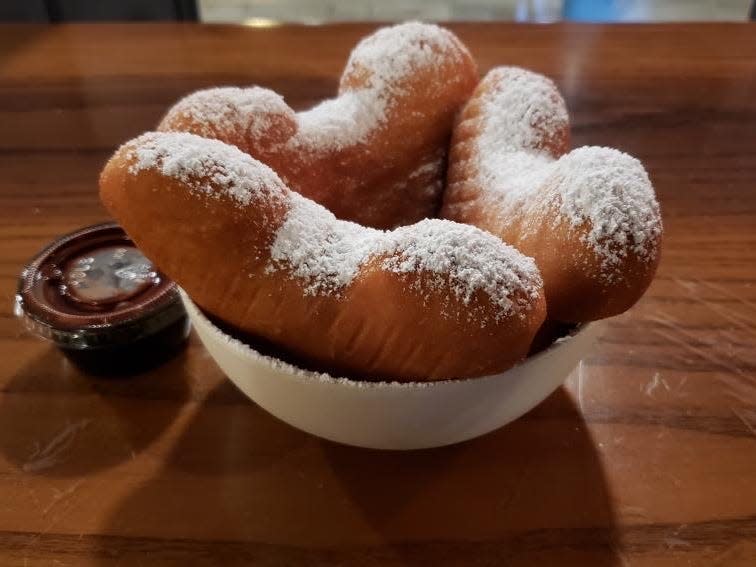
column 340, row 122
column 514, row 177
column 374, row 78
column 427, row 179
column 466, row 260
column 523, row 110
column 323, row 251
column 206, row 166
column 392, row 54
column 428, row 168
column 234, row 110
column 327, row 255
column 603, row 189
column 611, row 191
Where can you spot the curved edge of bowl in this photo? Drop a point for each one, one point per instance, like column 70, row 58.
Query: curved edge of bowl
column 391, row 415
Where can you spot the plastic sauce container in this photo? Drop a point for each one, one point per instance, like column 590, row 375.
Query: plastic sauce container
column 97, row 297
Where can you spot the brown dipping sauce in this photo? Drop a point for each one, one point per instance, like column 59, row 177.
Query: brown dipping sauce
column 100, row 299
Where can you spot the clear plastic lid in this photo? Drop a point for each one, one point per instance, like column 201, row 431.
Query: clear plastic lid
column 93, row 288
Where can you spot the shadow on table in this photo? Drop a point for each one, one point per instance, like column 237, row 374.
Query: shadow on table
column 241, row 487
column 57, row 421
column 531, row 493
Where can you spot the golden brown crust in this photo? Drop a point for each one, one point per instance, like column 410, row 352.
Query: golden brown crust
column 389, row 176
column 589, row 217
column 180, row 198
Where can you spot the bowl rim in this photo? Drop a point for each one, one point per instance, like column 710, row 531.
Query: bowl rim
column 303, row 374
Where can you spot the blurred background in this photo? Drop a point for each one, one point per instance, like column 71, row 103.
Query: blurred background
column 269, row 12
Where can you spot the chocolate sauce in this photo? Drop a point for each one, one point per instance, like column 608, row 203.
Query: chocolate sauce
column 103, row 277
column 101, row 300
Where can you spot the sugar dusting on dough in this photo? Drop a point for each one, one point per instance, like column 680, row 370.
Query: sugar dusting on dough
column 248, row 111
column 523, row 110
column 428, row 176
column 327, row 254
column 468, row 261
column 206, row 166
column 382, row 64
column 388, row 59
column 601, row 188
column 340, row 122
column 612, row 192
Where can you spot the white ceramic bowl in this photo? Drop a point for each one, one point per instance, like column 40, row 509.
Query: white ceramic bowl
column 391, row 415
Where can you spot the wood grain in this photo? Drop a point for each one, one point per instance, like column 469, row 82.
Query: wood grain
column 647, row 456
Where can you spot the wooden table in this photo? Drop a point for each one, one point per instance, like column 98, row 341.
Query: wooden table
column 647, row 456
